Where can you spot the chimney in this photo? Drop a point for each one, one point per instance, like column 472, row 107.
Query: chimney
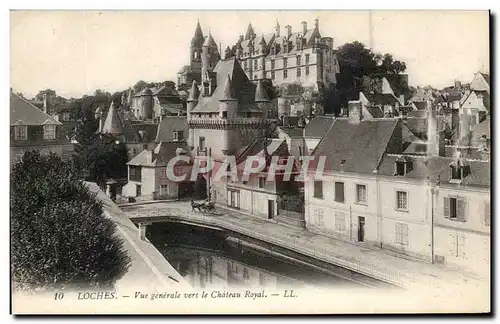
column 45, row 103
column 288, row 31
column 304, row 27
column 355, row 115
column 316, row 23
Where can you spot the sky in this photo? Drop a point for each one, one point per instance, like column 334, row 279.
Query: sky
column 76, row 52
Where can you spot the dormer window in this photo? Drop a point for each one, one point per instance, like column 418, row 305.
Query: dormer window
column 178, row 135
column 402, row 166
column 459, row 170
column 49, row 132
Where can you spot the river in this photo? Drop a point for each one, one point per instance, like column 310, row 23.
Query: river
column 208, row 258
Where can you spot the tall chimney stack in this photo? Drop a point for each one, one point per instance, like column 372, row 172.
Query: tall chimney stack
column 304, row 27
column 316, row 23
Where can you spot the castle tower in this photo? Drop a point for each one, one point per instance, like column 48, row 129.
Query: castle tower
column 210, row 54
column 262, row 99
column 147, row 104
column 196, row 48
column 192, row 101
column 228, row 109
column 262, row 58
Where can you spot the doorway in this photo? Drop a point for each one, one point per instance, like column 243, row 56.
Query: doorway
column 361, row 229
column 270, row 209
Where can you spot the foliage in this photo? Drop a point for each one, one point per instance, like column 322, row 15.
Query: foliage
column 59, row 236
column 356, row 61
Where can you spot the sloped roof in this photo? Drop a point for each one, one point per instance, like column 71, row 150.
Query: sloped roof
column 161, row 155
column 318, row 126
column 23, row 112
column 209, row 41
column 438, row 166
column 292, row 132
column 250, row 32
column 113, row 123
column 382, row 99
column 260, row 93
column 243, row 89
column 198, row 38
column 355, row 147
column 170, row 124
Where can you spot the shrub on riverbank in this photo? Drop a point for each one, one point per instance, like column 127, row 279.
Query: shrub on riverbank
column 59, row 235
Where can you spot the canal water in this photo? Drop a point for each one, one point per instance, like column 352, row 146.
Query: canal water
column 208, row 258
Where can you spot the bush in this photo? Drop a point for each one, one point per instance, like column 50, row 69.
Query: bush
column 59, row 235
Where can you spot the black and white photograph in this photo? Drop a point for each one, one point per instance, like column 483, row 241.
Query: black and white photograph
column 250, row 162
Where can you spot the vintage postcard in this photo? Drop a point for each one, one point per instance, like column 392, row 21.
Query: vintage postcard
column 250, row 162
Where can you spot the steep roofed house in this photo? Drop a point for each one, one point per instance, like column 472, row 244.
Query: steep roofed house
column 32, row 129
column 314, row 131
column 147, row 168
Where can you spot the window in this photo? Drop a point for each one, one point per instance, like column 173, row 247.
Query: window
column 21, row 132
column 245, row 274
column 262, row 182
column 66, row 116
column 178, row 135
column 163, row 189
column 487, row 211
column 134, row 173
column 285, row 74
column 273, row 75
column 401, row 233
column 307, row 70
column 401, row 200
column 18, row 157
column 255, row 65
column 134, row 151
column 285, row 62
column 318, row 217
column 245, row 65
column 456, row 173
column 145, row 147
column 340, row 221
column 138, row 190
column 361, row 194
column 339, row 192
column 307, row 58
column 400, row 168
column 299, row 60
column 298, row 72
column 272, row 64
column 201, row 143
column 318, row 189
column 454, row 208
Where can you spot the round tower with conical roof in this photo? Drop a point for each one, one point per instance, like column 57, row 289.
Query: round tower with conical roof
column 147, row 104
column 210, row 54
column 262, row 99
column 196, row 48
column 228, row 103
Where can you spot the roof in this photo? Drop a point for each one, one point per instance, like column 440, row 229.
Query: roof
column 24, row 113
column 113, row 123
column 228, row 94
column 355, row 147
column 438, row 167
column 164, row 91
column 382, row 99
column 198, row 38
column 209, row 41
column 170, row 124
column 140, row 132
column 161, row 155
column 194, row 93
column 292, row 132
column 249, row 34
column 318, row 126
column 184, row 69
column 242, row 88
column 260, row 93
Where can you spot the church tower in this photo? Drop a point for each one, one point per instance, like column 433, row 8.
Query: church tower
column 196, row 49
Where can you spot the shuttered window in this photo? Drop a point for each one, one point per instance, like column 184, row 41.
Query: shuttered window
column 401, row 232
column 318, row 189
column 454, row 208
column 339, row 192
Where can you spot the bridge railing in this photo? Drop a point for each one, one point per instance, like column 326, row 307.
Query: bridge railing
column 262, row 233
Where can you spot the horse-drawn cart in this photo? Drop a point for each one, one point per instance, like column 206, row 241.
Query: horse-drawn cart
column 204, row 207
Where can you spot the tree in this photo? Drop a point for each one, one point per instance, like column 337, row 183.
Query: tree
column 59, row 236
column 356, row 62
column 139, row 86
